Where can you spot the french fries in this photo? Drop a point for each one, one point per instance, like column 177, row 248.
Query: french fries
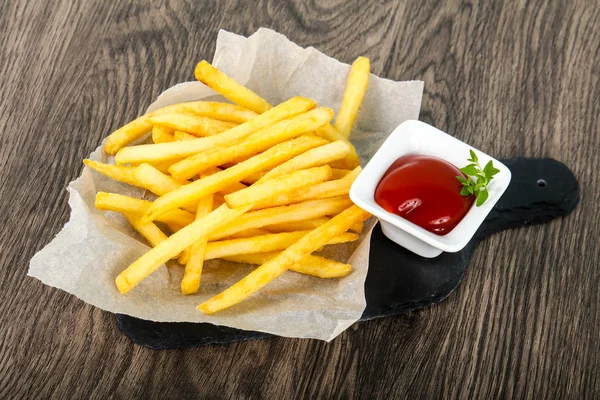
column 138, row 207
column 318, row 156
column 358, row 80
column 187, row 194
column 259, row 141
column 179, row 135
column 179, row 150
column 244, row 182
column 198, row 126
column 273, row 268
column 230, row 89
column 322, row 190
column 161, row 134
column 212, row 109
column 264, row 243
column 193, row 267
column 116, row 172
column 131, row 132
column 281, row 185
column 149, row 231
column 277, row 215
column 175, row 244
column 320, row 267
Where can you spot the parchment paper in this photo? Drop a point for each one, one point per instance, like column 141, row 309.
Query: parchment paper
column 95, row 246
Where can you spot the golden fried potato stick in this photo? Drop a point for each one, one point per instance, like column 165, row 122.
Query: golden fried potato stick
column 179, row 135
column 193, row 267
column 190, row 193
column 116, row 172
column 179, row 150
column 149, row 231
column 320, row 267
column 230, row 89
column 290, row 256
column 138, row 207
column 280, row 185
column 322, row 190
column 303, row 225
column 155, row 181
column 212, row 109
column 356, row 88
column 312, row 158
column 264, row 243
column 330, row 133
column 162, row 166
column 198, row 126
column 248, row 233
column 249, row 180
column 276, row 215
column 337, row 173
column 162, row 134
column 174, row 245
column 254, row 144
column 127, row 134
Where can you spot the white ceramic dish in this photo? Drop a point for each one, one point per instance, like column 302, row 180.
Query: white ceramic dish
column 415, row 137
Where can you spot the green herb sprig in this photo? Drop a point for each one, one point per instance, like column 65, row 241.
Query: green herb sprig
column 477, row 179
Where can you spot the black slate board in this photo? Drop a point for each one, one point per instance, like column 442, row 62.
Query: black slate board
column 399, row 281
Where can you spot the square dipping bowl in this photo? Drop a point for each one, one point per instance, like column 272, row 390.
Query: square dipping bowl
column 415, row 137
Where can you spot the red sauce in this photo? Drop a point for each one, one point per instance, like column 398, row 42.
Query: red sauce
column 425, row 191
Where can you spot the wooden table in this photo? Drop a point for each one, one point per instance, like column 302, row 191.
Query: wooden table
column 517, row 78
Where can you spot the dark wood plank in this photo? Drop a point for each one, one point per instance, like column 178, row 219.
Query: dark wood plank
column 512, row 78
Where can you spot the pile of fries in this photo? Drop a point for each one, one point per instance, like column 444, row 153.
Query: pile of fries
column 245, row 182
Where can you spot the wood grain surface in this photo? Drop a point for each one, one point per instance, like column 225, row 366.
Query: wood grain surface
column 513, row 78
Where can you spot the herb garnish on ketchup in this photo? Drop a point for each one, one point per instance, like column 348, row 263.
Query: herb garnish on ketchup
column 431, row 192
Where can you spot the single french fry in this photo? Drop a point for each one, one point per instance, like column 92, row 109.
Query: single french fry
column 174, row 245
column 138, row 207
column 179, row 150
column 283, row 184
column 293, row 254
column 179, row 135
column 276, row 215
column 320, row 267
column 198, row 126
column 162, row 134
column 264, row 243
column 303, row 225
column 312, row 158
column 117, row 172
column 190, row 193
column 250, row 179
column 230, row 89
column 212, row 109
column 357, row 227
column 234, row 187
column 127, row 134
column 155, row 181
column 193, row 267
column 249, row 233
column 330, row 133
column 322, row 190
column 149, row 231
column 254, row 144
column 356, row 88
column 162, row 166
column 337, row 173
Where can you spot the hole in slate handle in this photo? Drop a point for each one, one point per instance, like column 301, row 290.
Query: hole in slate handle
column 541, row 183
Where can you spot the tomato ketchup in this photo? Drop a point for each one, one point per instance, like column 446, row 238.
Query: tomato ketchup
column 425, row 191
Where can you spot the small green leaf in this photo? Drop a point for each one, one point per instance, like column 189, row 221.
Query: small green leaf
column 462, row 180
column 470, row 169
column 482, row 196
column 479, row 186
column 470, row 189
column 465, row 191
column 489, row 170
column 473, row 155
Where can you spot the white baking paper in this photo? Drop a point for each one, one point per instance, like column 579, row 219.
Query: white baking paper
column 95, row 246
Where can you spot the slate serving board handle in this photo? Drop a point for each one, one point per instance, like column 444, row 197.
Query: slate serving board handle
column 400, row 281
